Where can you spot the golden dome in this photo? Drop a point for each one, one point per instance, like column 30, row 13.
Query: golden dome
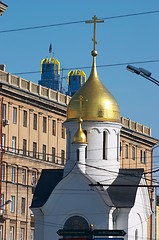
column 93, row 102
column 80, row 136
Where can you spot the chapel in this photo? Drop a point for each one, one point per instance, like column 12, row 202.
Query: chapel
column 92, row 197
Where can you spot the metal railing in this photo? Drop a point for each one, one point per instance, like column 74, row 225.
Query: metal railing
column 42, row 156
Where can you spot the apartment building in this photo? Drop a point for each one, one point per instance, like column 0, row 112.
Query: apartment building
column 136, row 152
column 33, row 138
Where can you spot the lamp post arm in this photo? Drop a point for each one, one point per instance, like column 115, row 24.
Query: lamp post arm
column 151, row 79
column 143, row 73
column 155, row 81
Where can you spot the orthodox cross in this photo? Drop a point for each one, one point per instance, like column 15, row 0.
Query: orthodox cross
column 94, row 20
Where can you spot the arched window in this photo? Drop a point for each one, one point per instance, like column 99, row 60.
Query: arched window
column 78, row 155
column 76, row 222
column 136, row 234
column 68, row 144
column 118, row 146
column 105, row 147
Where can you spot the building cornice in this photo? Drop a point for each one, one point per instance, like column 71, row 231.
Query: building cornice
column 32, row 99
column 138, row 137
column 3, row 8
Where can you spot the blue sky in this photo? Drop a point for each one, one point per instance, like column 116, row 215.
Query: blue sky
column 120, row 40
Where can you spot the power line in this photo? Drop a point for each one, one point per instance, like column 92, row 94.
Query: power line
column 89, row 67
column 57, row 157
column 78, row 22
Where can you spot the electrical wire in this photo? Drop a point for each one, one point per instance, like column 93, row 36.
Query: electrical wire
column 89, row 67
column 148, row 171
column 78, row 22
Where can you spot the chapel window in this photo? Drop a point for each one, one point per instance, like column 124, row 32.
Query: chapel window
column 76, row 222
column 105, row 147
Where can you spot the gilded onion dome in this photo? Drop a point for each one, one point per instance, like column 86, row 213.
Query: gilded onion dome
column 79, row 136
column 93, row 102
column 97, row 103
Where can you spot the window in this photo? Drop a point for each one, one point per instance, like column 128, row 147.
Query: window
column 44, row 152
column 133, row 153
column 136, row 234
column 35, row 121
column 14, row 144
column 24, row 147
column 76, row 221
column 12, row 204
column 144, row 157
column 126, row 151
column 32, row 234
column 14, row 115
column 2, row 201
column 34, row 149
column 25, row 118
column 1, row 232
column 33, row 178
column 78, row 155
column 2, row 209
column 120, row 148
column 105, row 141
column 3, row 141
column 22, row 232
column 3, row 171
column 62, row 157
column 4, row 111
column 141, row 157
column 23, row 176
column 53, row 154
column 44, row 124
column 54, row 127
column 62, row 131
column 23, row 206
column 56, row 69
column 11, row 233
column 13, row 170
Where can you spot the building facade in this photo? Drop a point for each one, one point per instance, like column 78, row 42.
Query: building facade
column 33, row 138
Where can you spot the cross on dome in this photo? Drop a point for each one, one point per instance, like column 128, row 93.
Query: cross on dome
column 94, row 20
column 80, row 99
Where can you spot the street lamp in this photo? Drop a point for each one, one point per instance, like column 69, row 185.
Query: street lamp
column 147, row 74
column 143, row 73
column 155, row 201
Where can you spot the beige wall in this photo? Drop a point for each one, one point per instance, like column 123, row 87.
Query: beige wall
column 41, row 138
column 20, row 167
